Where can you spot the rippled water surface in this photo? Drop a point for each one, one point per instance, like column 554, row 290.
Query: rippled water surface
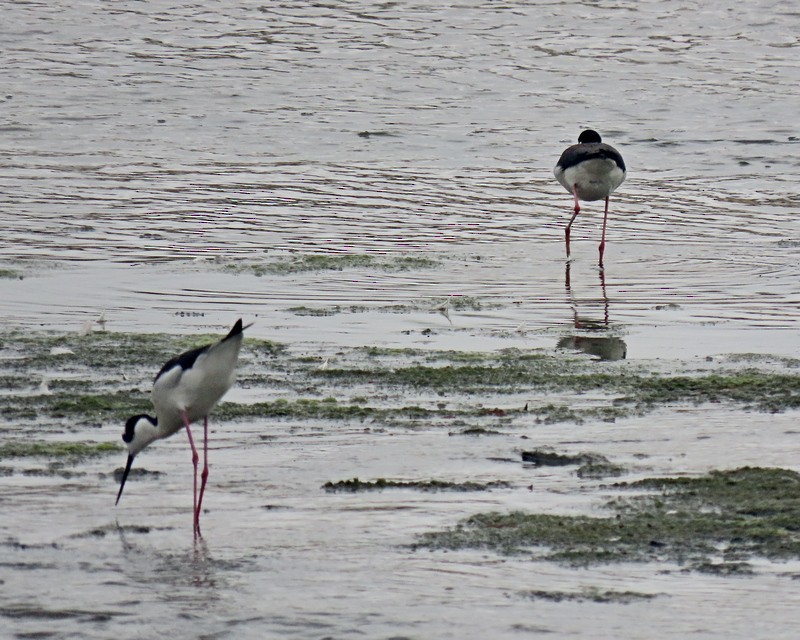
column 154, row 155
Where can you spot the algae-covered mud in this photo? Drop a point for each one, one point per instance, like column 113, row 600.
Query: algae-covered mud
column 94, row 379
column 299, row 264
column 527, row 474
column 714, row 522
column 474, row 486
column 398, row 455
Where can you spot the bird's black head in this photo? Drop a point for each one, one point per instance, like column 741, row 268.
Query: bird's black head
column 590, row 135
column 130, row 427
column 140, row 430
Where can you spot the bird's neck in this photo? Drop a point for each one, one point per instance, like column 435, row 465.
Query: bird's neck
column 167, row 424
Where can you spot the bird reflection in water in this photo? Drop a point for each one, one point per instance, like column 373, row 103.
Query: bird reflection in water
column 194, row 567
column 603, row 347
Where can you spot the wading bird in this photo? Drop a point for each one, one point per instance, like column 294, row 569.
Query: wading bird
column 590, row 170
column 185, row 390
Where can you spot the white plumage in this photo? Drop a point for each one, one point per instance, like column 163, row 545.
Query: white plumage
column 185, row 390
column 593, row 179
column 590, row 170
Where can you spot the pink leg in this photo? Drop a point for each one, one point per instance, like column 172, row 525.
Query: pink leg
column 572, row 219
column 603, row 237
column 195, row 460
column 203, row 476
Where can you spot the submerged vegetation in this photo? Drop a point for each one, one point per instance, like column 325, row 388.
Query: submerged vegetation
column 355, row 485
column 716, row 523
column 332, row 262
column 104, row 377
column 590, row 465
column 10, row 274
column 105, row 351
column 632, row 391
column 719, row 520
column 439, row 305
column 589, row 594
column 56, row 450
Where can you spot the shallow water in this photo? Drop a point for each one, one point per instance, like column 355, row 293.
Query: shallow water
column 148, row 147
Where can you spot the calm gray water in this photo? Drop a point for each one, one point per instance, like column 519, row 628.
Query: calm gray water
column 144, row 147
column 144, row 133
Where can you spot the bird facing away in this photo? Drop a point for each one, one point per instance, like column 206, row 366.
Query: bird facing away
column 185, row 390
column 590, row 170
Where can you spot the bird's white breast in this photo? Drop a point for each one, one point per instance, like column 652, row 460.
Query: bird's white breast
column 593, row 179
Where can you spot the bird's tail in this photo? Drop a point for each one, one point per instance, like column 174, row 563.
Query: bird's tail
column 237, row 329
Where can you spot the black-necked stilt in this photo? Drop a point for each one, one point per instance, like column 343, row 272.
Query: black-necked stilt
column 185, row 390
column 590, row 170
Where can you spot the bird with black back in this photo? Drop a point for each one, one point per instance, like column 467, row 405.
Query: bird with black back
column 590, row 170
column 185, row 390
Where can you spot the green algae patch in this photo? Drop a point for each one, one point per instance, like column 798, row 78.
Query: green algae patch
column 763, row 358
column 759, row 389
column 80, row 409
column 590, row 465
column 439, row 305
column 589, row 594
column 466, row 379
column 103, row 351
column 546, row 373
column 327, row 408
column 115, row 529
column 104, row 377
column 315, row 312
column 631, row 391
column 100, row 350
column 86, row 375
column 14, row 382
column 547, row 457
column 476, row 431
column 725, row 516
column 723, row 569
column 334, row 262
column 56, row 450
column 600, row 467
column 102, row 407
column 355, row 485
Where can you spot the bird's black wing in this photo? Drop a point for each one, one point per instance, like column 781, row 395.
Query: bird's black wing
column 588, row 151
column 185, row 361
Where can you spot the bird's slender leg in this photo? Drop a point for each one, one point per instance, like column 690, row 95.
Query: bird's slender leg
column 572, row 219
column 195, row 460
column 603, row 236
column 203, row 476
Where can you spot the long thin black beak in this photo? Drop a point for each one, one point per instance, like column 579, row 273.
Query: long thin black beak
column 124, row 478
